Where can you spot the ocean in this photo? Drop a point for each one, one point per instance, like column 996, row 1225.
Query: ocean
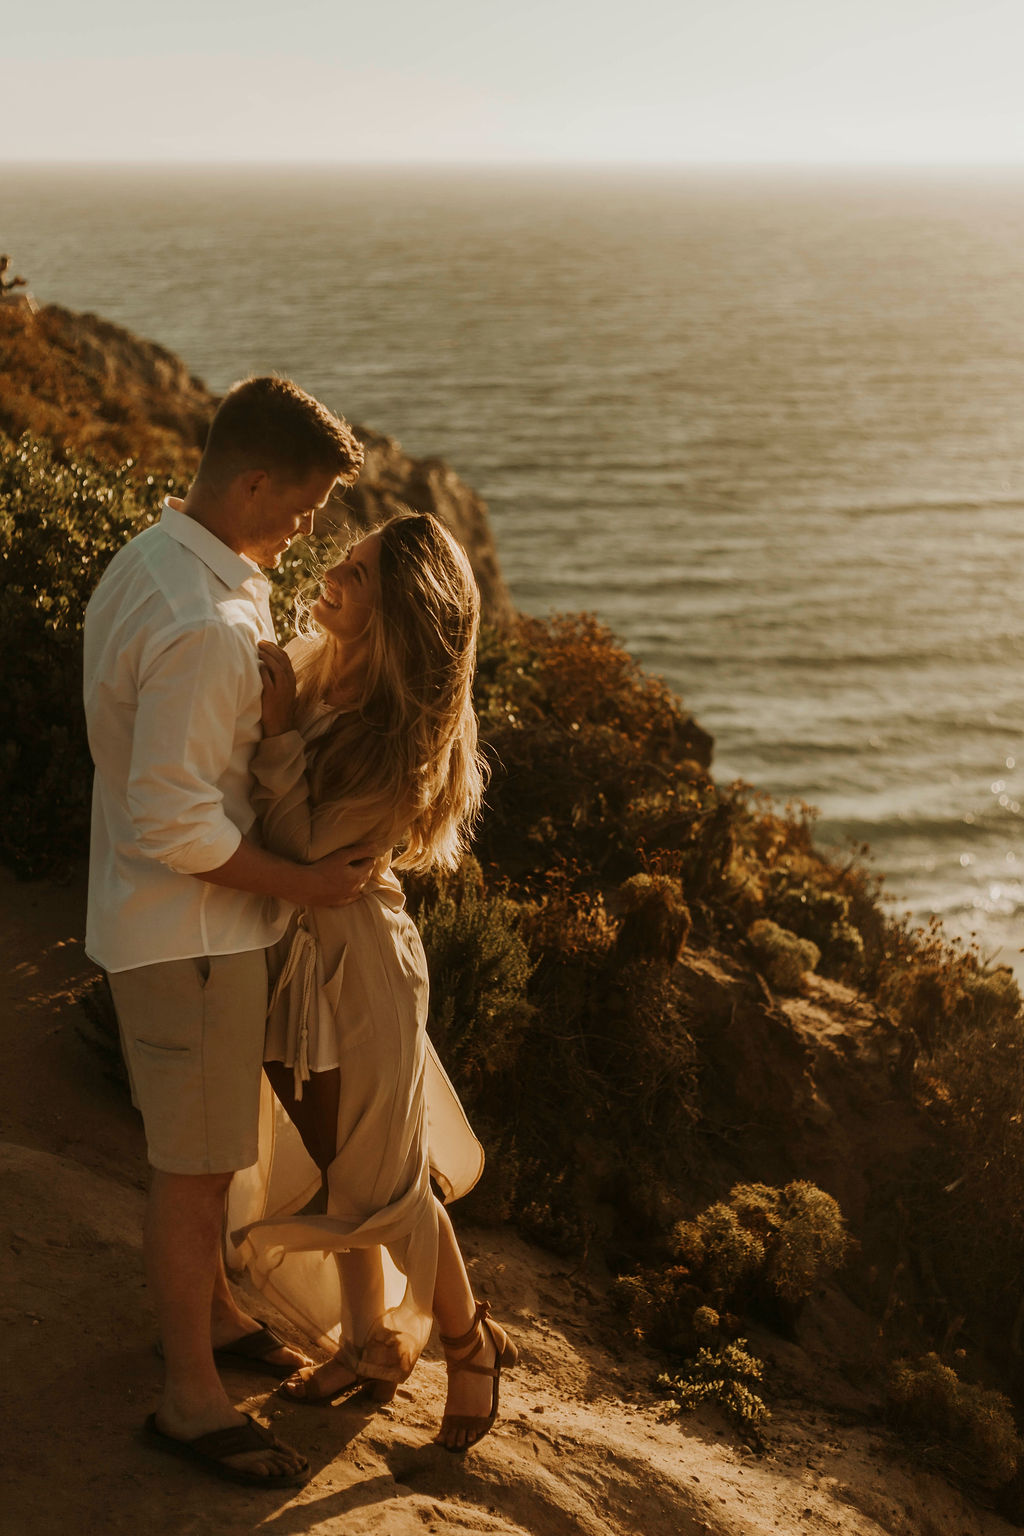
column 767, row 425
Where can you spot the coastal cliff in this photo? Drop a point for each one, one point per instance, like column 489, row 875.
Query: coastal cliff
column 92, row 386
column 668, row 1014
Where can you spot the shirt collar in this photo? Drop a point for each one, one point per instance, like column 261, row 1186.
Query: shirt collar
column 233, row 570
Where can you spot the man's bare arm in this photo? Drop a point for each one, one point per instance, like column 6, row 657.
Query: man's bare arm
column 330, row 882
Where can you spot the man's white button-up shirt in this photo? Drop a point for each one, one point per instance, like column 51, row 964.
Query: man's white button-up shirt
column 172, row 702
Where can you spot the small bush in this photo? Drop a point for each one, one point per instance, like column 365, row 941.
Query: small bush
column 590, row 757
column 961, row 1037
column 994, row 998
column 609, row 1066
column 784, row 958
column 656, row 920
column 966, row 1430
column 722, row 1254
column 806, row 1240
column 966, row 1204
column 782, row 875
column 764, row 1251
column 479, row 969
column 664, row 1308
column 60, row 523
column 820, row 916
column 781, row 1241
column 935, row 989
column 725, row 1376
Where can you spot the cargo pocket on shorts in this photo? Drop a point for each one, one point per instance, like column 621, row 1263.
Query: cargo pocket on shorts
column 161, row 1076
column 163, row 1056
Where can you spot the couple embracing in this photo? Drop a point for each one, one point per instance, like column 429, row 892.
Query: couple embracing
column 251, row 806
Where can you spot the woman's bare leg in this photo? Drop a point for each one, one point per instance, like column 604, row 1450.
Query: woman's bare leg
column 315, row 1115
column 454, row 1308
column 362, row 1275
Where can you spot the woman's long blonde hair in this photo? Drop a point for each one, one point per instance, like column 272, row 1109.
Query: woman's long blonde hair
column 406, row 752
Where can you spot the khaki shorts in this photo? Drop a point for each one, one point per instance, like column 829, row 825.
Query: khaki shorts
column 192, row 1036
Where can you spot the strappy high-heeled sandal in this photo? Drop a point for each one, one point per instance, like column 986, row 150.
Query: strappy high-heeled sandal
column 505, row 1356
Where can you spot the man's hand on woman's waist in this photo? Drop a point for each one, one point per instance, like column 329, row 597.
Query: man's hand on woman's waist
column 333, row 881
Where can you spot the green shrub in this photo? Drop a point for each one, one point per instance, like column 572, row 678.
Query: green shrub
column 763, row 1251
column 60, row 523
column 302, row 565
column 961, row 1041
column 590, row 757
column 805, row 1238
column 964, row 1205
column 994, row 998
column 964, row 1429
column 609, row 1066
column 62, row 519
column 726, row 1377
column 820, row 916
column 784, row 958
column 721, row 1253
column 935, row 989
column 578, row 1067
column 782, row 875
column 656, row 920
column 479, row 970
column 782, row 1242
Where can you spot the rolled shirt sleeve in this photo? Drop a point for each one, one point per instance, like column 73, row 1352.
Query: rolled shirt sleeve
column 190, row 694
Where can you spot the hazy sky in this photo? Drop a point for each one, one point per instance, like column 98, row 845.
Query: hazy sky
column 548, row 80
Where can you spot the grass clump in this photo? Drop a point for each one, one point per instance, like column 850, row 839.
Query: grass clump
column 968, row 1431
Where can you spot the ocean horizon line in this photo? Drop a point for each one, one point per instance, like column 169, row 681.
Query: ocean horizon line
column 740, row 166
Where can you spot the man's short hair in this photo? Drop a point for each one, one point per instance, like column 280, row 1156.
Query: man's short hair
column 272, row 424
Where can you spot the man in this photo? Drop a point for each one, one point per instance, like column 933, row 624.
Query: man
column 182, row 899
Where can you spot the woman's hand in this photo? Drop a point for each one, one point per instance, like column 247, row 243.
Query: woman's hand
column 278, row 690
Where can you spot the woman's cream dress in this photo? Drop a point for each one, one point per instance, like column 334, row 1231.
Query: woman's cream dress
column 351, row 992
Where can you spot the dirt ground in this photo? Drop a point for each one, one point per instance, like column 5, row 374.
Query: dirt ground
column 581, row 1447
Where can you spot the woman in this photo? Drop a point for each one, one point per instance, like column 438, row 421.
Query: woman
column 370, row 737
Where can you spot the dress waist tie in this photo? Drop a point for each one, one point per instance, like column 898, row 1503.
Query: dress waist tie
column 299, row 967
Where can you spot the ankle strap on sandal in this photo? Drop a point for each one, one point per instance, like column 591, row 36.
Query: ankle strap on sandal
column 472, row 1332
